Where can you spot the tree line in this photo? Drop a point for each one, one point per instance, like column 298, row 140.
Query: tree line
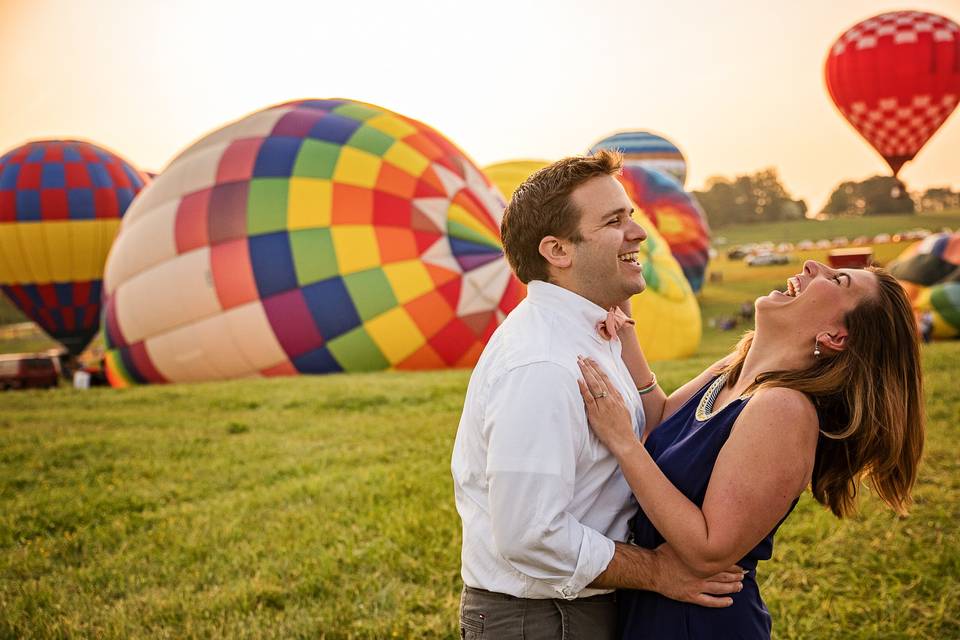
column 758, row 197
column 761, row 197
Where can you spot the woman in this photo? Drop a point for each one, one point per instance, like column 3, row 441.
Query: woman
column 825, row 391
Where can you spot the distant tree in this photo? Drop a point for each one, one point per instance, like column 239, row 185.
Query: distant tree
column 885, row 194
column 873, row 196
column 759, row 197
column 843, row 200
column 938, row 199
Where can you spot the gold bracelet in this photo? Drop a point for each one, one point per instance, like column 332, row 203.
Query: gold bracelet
column 650, row 387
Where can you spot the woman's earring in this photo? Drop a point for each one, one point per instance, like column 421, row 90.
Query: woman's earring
column 816, row 348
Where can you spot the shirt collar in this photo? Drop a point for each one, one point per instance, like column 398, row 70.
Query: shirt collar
column 570, row 305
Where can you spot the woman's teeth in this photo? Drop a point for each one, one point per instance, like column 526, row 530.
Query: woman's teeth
column 793, row 286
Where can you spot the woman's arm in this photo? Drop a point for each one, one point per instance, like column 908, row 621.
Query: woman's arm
column 764, row 465
column 657, row 406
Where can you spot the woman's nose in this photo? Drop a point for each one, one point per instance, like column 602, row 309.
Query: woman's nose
column 810, row 268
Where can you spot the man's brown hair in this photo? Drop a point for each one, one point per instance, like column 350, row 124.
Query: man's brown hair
column 541, row 207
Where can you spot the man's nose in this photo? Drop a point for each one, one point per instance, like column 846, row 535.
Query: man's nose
column 637, row 232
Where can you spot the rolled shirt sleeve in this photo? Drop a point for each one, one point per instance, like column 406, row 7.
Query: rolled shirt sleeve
column 535, row 427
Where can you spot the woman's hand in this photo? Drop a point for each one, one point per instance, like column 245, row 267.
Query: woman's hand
column 607, row 413
column 627, row 329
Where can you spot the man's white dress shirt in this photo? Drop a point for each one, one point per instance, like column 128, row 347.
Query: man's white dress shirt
column 541, row 499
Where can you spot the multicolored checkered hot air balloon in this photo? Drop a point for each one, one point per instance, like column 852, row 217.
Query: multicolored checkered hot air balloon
column 311, row 237
column 667, row 312
column 646, row 149
column 60, row 206
column 929, row 271
column 676, row 215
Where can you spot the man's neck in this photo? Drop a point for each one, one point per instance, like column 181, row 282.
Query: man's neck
column 582, row 291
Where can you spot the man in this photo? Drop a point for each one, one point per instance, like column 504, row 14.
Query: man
column 543, row 503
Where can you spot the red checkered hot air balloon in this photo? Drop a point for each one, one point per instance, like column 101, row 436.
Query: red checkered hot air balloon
column 896, row 78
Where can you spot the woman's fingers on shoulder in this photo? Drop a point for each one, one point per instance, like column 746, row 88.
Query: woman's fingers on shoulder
column 596, row 367
column 584, row 389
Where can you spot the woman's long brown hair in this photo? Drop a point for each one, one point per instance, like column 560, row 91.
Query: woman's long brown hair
column 869, row 399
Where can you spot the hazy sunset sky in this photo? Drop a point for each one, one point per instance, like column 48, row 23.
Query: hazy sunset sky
column 738, row 85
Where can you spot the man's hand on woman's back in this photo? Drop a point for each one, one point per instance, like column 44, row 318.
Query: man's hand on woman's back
column 662, row 571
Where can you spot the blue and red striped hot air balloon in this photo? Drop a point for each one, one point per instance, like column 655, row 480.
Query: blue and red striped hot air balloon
column 646, row 149
column 60, row 207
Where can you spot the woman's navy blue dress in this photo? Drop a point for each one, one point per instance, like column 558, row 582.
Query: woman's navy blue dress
column 686, row 449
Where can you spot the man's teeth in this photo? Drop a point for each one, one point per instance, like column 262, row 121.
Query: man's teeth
column 628, row 257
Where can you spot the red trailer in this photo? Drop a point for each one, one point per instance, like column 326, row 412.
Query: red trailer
column 29, row 370
column 851, row 258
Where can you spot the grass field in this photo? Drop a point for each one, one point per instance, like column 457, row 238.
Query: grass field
column 322, row 508
column 828, row 229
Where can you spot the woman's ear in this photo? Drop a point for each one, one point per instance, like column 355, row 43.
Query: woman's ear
column 556, row 252
column 835, row 340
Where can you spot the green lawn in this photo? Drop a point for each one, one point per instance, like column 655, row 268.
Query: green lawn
column 321, row 507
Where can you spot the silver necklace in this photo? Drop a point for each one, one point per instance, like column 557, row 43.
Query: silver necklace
column 705, row 408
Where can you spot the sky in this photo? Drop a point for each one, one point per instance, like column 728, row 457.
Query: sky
column 738, row 85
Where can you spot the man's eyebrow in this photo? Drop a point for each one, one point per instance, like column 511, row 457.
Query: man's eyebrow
column 617, row 212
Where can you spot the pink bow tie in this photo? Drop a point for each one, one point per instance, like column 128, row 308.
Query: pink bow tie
column 615, row 320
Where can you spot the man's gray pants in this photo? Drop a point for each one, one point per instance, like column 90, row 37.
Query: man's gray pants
column 497, row 616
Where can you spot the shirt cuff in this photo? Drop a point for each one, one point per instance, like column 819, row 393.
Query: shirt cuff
column 596, row 552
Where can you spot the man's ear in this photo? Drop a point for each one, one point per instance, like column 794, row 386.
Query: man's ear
column 556, row 252
column 835, row 340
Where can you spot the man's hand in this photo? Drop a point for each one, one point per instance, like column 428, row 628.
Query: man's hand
column 673, row 579
column 661, row 570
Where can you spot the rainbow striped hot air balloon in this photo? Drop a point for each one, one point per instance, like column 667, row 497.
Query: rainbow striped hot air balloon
column 60, row 206
column 676, row 215
column 645, row 149
column 311, row 237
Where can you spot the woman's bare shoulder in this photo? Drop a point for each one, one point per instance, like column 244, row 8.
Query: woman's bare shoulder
column 774, row 409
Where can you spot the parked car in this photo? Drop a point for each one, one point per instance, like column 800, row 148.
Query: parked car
column 736, row 254
column 766, row 258
column 29, row 371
